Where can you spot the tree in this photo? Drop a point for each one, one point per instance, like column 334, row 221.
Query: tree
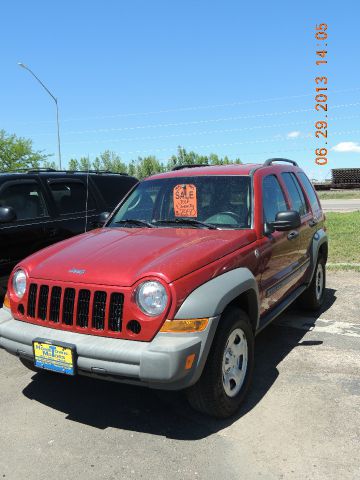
column 96, row 164
column 146, row 166
column 214, row 159
column 190, row 158
column 17, row 153
column 73, row 164
column 185, row 158
column 111, row 162
column 132, row 168
column 51, row 165
column 84, row 164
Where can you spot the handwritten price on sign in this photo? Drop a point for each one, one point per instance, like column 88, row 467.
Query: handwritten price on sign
column 185, row 201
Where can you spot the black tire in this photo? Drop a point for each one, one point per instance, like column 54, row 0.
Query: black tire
column 312, row 299
column 208, row 395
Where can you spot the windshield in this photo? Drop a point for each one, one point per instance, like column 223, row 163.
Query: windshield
column 188, row 202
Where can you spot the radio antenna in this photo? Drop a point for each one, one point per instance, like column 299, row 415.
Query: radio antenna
column 87, row 193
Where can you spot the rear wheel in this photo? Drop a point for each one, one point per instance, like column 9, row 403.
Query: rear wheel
column 227, row 374
column 313, row 297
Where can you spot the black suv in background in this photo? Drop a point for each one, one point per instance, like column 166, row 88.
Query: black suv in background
column 41, row 207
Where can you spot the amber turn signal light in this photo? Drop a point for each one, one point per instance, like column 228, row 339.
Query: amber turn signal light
column 189, row 361
column 7, row 300
column 185, row 326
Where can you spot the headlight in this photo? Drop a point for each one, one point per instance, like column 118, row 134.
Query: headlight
column 19, row 283
column 152, row 298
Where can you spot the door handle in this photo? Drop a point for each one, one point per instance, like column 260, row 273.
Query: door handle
column 293, row 234
column 52, row 232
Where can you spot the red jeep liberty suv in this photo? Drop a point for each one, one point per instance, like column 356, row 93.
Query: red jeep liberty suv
column 171, row 292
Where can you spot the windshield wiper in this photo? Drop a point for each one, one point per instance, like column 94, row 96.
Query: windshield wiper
column 138, row 223
column 188, row 221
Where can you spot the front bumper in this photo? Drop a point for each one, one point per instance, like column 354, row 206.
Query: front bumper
column 156, row 364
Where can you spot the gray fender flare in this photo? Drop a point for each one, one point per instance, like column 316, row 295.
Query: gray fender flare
column 211, row 298
column 320, row 237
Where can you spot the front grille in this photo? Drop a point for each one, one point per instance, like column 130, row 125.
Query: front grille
column 76, row 308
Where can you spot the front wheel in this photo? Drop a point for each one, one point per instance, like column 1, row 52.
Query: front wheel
column 227, row 374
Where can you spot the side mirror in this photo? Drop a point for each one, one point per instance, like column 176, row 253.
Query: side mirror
column 286, row 221
column 102, row 218
column 7, row 214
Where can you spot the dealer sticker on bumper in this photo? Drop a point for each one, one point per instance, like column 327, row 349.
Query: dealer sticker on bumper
column 57, row 357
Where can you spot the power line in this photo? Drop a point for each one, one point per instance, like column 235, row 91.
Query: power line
column 178, row 124
column 275, row 138
column 202, row 107
column 219, row 144
column 197, row 122
column 191, row 108
column 191, row 134
column 205, row 132
column 211, row 145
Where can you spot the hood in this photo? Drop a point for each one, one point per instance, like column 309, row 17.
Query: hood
column 114, row 256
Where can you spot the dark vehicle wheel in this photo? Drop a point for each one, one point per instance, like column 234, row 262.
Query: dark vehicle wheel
column 313, row 297
column 227, row 374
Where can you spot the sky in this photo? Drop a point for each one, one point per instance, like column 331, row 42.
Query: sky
column 143, row 77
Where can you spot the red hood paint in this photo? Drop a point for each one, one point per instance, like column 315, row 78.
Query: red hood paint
column 114, row 256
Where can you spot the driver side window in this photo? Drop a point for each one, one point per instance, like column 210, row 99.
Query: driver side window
column 273, row 198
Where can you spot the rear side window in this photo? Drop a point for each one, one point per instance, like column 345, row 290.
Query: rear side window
column 310, row 192
column 296, row 195
column 25, row 198
column 273, row 198
column 113, row 188
column 70, row 197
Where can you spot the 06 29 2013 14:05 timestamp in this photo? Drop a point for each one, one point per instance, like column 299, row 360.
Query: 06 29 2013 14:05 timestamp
column 321, row 94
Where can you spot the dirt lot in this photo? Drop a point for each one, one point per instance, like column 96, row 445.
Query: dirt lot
column 301, row 420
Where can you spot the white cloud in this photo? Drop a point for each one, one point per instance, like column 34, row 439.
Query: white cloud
column 347, row 147
column 294, row 134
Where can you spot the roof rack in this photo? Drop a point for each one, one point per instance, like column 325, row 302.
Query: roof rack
column 194, row 165
column 26, row 170
column 32, row 170
column 94, row 171
column 272, row 160
column 53, row 170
